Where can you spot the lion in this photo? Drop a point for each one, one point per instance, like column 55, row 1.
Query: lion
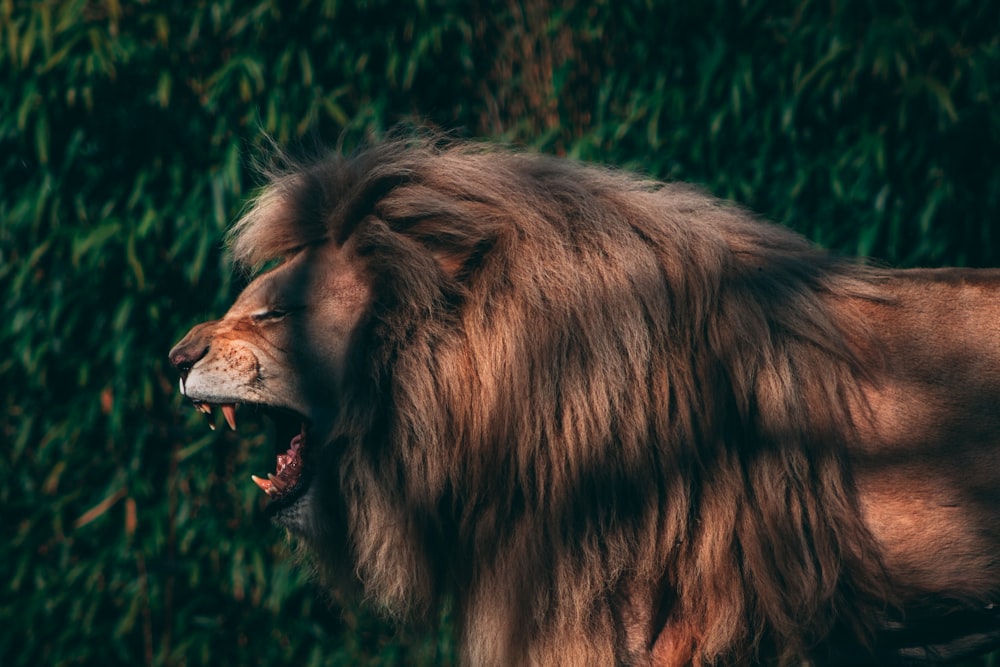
column 611, row 420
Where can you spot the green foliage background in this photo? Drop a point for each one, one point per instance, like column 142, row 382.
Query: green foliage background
column 130, row 533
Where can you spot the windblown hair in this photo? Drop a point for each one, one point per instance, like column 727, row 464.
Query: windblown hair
column 595, row 411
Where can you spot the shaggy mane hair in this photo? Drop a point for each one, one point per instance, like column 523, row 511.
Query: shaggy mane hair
column 595, row 411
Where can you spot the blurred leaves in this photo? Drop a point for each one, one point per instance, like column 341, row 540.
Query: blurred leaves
column 126, row 130
column 870, row 128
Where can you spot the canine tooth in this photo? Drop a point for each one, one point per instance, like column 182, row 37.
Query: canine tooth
column 275, row 482
column 229, row 411
column 207, row 409
column 265, row 485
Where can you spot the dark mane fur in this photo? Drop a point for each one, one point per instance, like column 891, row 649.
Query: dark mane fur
column 580, row 389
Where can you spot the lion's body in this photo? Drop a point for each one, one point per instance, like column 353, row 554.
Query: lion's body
column 616, row 421
column 927, row 463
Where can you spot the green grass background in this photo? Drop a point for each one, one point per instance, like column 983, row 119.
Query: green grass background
column 131, row 534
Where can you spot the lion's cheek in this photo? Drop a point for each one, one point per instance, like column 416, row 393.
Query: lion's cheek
column 242, row 364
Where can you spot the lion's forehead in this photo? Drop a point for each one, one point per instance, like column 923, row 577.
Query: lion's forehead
column 264, row 288
column 303, row 273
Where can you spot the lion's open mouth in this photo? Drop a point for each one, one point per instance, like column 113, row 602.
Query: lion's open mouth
column 287, row 482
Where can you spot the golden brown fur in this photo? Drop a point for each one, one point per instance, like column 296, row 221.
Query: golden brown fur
column 617, row 421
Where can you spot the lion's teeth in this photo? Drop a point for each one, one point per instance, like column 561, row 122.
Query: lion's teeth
column 229, row 411
column 276, row 482
column 265, row 485
column 205, row 408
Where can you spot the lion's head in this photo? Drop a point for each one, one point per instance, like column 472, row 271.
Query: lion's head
column 284, row 346
column 606, row 417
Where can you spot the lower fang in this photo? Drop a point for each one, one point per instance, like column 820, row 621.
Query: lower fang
column 264, row 484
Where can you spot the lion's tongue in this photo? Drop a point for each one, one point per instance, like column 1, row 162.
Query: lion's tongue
column 289, row 470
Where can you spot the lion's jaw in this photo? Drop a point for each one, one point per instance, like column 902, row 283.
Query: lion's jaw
column 283, row 347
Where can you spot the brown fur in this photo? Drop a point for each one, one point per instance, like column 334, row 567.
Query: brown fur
column 617, row 421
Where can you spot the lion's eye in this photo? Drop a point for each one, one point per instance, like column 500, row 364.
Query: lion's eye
column 268, row 315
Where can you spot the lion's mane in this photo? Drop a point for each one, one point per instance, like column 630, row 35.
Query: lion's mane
column 595, row 411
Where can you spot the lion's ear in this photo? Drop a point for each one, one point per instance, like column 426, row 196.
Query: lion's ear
column 459, row 250
column 460, row 261
column 452, row 265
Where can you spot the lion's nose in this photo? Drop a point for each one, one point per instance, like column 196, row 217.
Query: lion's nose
column 186, row 354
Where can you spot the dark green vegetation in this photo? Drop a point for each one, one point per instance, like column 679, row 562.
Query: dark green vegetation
column 130, row 533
